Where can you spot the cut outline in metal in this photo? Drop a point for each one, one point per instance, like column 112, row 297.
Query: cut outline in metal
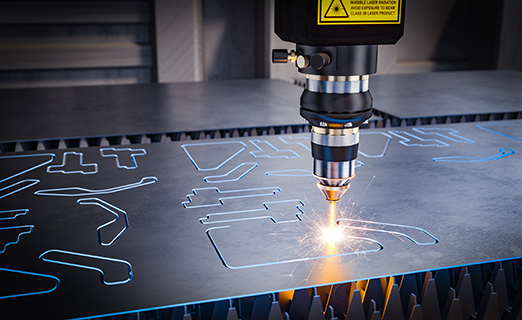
column 102, row 274
column 34, row 182
column 31, row 228
column 260, row 150
column 404, row 141
column 385, row 147
column 89, row 192
column 56, row 285
column 64, row 163
column 481, row 126
column 503, row 153
column 221, row 202
column 253, row 166
column 296, row 142
column 107, row 206
column 222, row 258
column 452, row 132
column 23, row 212
column 390, row 232
column 266, row 207
column 133, row 155
column 30, row 169
column 283, row 173
column 212, row 143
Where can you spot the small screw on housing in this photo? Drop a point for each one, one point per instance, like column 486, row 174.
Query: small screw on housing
column 323, row 124
column 348, row 125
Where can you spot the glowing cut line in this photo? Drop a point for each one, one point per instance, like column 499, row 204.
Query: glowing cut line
column 55, row 169
column 31, row 228
column 482, row 126
column 296, row 142
column 405, row 140
column 266, row 207
column 212, row 179
column 52, row 155
column 222, row 258
column 258, row 154
column 452, row 132
column 136, row 152
column 112, row 209
column 102, row 274
column 385, row 147
column 503, row 153
column 435, row 240
column 88, row 192
column 19, row 212
column 33, row 182
column 273, row 190
column 184, row 147
column 56, row 284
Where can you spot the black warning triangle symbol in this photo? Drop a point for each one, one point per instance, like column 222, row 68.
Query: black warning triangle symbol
column 336, row 10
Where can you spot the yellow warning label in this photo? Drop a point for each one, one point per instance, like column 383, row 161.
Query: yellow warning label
column 338, row 12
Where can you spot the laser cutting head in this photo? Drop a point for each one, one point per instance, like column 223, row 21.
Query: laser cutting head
column 333, row 193
column 334, row 152
column 337, row 51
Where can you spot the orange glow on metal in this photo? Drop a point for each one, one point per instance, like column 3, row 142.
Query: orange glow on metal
column 292, row 59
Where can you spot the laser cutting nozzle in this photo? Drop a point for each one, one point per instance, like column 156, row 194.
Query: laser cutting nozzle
column 333, row 193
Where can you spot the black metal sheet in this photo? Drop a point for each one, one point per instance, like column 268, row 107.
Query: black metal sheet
column 77, row 112
column 261, row 232
column 447, row 93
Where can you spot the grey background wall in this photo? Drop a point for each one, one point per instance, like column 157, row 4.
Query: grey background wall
column 73, row 42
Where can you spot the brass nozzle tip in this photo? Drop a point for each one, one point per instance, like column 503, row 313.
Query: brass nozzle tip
column 333, row 193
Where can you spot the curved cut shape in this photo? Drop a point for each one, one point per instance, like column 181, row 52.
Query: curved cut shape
column 13, row 292
column 78, row 191
column 113, row 210
column 89, row 262
column 414, row 234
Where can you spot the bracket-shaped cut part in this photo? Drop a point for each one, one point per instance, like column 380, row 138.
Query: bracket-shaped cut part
column 12, row 214
column 113, row 152
column 205, row 193
column 503, row 153
column 8, row 232
column 62, row 168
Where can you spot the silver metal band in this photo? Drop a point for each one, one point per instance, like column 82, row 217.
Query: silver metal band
column 339, row 171
column 327, row 86
column 335, row 140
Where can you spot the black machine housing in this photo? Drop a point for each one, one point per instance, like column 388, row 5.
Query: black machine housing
column 352, row 50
